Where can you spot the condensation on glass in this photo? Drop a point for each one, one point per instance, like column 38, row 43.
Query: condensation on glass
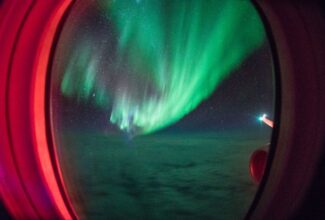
column 154, row 107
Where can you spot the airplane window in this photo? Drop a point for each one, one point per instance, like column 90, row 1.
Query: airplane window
column 157, row 106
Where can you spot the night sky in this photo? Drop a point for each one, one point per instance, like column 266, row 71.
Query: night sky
column 96, row 87
column 244, row 95
column 235, row 104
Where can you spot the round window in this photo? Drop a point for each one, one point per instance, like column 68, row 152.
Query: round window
column 155, row 107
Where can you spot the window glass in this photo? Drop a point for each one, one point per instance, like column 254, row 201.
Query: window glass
column 155, row 104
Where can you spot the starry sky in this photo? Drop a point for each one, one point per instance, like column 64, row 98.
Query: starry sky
column 182, row 67
column 234, row 105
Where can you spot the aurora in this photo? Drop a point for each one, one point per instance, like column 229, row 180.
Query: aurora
column 161, row 58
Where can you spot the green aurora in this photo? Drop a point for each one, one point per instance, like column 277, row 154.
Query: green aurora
column 170, row 56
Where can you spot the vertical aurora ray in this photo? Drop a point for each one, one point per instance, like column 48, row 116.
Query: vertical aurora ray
column 169, row 57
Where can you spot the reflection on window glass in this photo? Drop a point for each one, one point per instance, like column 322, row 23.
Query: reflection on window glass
column 155, row 105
